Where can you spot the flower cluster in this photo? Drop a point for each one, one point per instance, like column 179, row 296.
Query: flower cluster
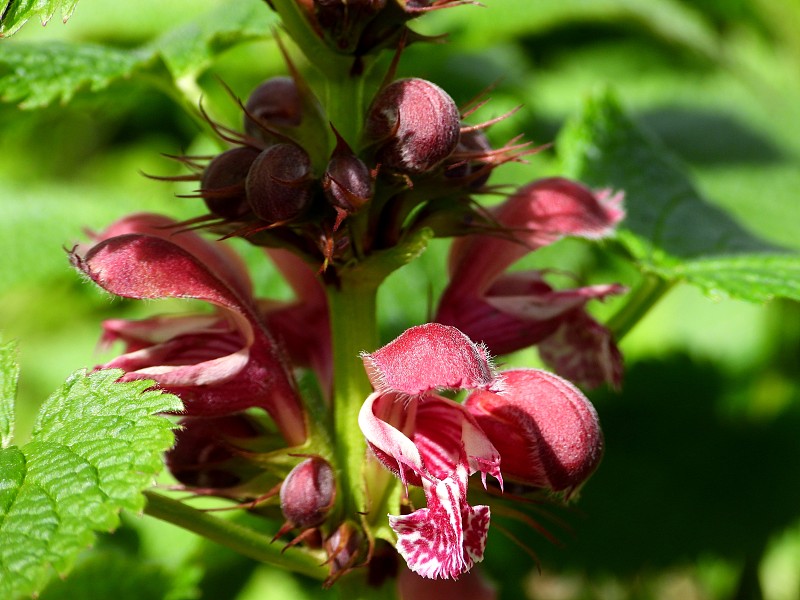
column 337, row 206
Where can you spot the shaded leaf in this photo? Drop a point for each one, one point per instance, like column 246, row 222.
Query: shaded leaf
column 95, row 446
column 189, row 49
column 670, row 20
column 16, row 13
column 112, row 574
column 670, row 228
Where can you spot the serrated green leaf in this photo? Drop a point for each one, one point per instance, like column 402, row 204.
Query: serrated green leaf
column 39, row 74
column 95, row 446
column 16, row 13
column 36, row 75
column 189, row 49
column 756, row 278
column 669, row 228
column 9, row 374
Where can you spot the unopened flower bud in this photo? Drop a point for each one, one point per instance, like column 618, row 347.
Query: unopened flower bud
column 347, row 181
column 279, row 183
column 222, row 187
column 465, row 164
column 205, row 455
column 308, row 492
column 274, row 103
column 342, row 20
column 415, row 124
column 343, row 548
column 547, row 432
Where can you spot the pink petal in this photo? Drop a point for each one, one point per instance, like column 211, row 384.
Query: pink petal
column 155, row 330
column 535, row 216
column 436, row 443
column 547, row 431
column 386, row 422
column 214, row 372
column 428, row 357
column 432, row 540
column 584, row 351
column 217, row 256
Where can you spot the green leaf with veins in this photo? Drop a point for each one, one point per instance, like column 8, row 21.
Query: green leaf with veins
column 15, row 13
column 669, row 228
column 95, row 446
column 36, row 75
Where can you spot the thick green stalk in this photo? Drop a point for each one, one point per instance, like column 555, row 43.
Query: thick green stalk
column 353, row 329
column 240, row 539
column 638, row 304
column 344, row 104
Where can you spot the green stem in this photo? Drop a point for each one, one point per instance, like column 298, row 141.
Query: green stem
column 344, row 105
column 240, row 539
column 353, row 330
column 639, row 303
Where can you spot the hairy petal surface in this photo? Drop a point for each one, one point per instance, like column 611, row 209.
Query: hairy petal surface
column 219, row 367
column 547, row 432
column 428, row 357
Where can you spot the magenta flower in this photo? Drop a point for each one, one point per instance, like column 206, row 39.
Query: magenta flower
column 511, row 311
column 433, row 442
column 219, row 363
column 544, row 426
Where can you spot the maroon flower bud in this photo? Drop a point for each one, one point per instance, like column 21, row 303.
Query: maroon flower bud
column 274, row 103
column 222, row 186
column 347, row 181
column 343, row 20
column 308, row 492
column 205, row 455
column 415, row 124
column 343, row 547
column 279, row 183
column 546, row 430
column 465, row 162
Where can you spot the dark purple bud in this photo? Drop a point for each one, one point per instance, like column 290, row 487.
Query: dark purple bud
column 343, row 548
column 343, row 20
column 347, row 181
column 223, row 187
column 465, row 163
column 205, row 454
column 308, row 492
column 415, row 124
column 274, row 103
column 279, row 183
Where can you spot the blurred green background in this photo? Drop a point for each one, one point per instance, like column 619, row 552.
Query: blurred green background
column 699, row 492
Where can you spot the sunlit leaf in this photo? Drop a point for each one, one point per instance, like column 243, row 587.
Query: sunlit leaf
column 670, row 228
column 15, row 13
column 95, row 446
column 39, row 74
column 36, row 75
column 9, row 374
